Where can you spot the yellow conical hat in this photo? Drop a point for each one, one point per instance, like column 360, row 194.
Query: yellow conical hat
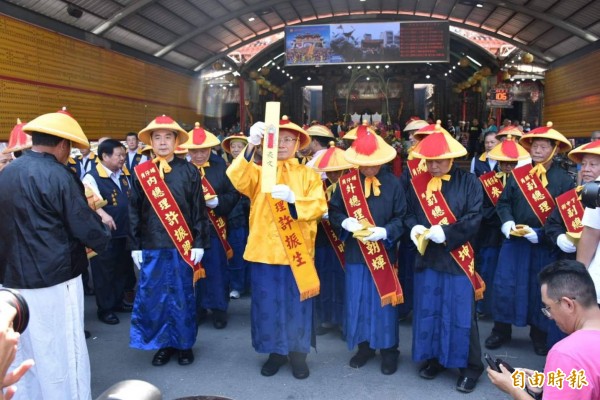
column 331, row 160
column 163, row 122
column 60, row 124
column 200, row 138
column 438, row 146
column 18, row 139
column 545, row 132
column 508, row 150
column 369, row 149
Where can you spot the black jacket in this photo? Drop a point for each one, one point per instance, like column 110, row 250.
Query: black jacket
column 464, row 196
column 46, row 223
column 147, row 231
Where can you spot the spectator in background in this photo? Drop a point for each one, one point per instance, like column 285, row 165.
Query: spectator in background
column 46, row 224
column 475, row 132
column 569, row 298
column 134, row 153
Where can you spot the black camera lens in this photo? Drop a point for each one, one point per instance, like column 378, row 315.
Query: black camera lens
column 590, row 195
column 16, row 300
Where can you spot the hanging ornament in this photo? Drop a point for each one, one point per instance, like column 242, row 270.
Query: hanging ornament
column 527, row 58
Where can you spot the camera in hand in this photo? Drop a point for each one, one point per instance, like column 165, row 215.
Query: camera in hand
column 590, row 195
column 18, row 302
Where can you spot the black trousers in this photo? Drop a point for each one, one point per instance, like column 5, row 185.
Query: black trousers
column 110, row 270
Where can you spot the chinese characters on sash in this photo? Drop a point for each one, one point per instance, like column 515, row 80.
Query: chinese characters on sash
column 492, row 185
column 438, row 212
column 218, row 222
column 571, row 210
column 537, row 196
column 168, row 212
column 416, row 167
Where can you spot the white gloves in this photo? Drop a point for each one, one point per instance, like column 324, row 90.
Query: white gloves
column 137, row 258
column 565, row 244
column 325, row 216
column 507, row 227
column 416, row 230
column 257, row 131
column 283, row 192
column 197, row 255
column 351, row 224
column 378, row 234
column 212, row 203
column 532, row 237
column 436, row 234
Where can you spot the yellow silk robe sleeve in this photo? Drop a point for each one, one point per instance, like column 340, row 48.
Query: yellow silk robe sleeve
column 264, row 243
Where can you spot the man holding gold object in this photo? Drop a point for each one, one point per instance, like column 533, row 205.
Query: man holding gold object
column 527, row 200
column 212, row 293
column 370, row 204
column 444, row 211
column 169, row 232
column 280, row 249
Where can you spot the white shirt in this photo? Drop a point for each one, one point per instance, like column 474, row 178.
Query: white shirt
column 591, row 219
column 491, row 163
column 89, row 180
column 312, row 161
column 132, row 154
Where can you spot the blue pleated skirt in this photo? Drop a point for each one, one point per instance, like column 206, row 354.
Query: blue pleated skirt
column 237, row 266
column 280, row 321
column 486, row 262
column 366, row 319
column 164, row 311
column 213, row 291
column 329, row 304
column 442, row 318
column 516, row 289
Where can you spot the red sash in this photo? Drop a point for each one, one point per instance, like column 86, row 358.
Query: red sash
column 158, row 194
column 383, row 272
column 438, row 212
column 336, row 243
column 415, row 167
column 571, row 210
column 537, row 196
column 493, row 186
column 218, row 222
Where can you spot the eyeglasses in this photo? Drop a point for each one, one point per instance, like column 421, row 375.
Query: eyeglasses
column 288, row 140
column 546, row 310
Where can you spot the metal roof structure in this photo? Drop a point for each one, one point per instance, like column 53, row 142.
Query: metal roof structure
column 189, row 35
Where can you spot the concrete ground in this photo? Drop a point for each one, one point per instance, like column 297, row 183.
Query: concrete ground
column 227, row 365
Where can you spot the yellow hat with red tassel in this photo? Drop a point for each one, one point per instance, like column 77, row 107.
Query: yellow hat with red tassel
column 588, row 148
column 60, row 124
column 508, row 150
column 438, row 146
column 546, row 132
column 286, row 125
column 200, row 138
column 18, row 139
column 509, row 130
column 352, row 133
column 369, row 149
column 226, row 143
column 331, row 160
column 414, row 124
column 163, row 122
column 429, row 129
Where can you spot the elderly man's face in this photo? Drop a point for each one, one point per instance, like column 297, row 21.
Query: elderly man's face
column 590, row 167
column 540, row 150
column 439, row 167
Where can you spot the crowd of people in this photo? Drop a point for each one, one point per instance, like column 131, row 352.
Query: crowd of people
column 173, row 231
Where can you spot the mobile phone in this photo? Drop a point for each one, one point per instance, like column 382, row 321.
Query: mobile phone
column 505, row 365
column 491, row 362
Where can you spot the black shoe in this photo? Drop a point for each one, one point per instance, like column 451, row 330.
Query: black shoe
column 466, row 384
column 186, row 357
column 494, row 341
column 108, row 317
column 163, row 356
column 124, row 308
column 389, row 361
column 274, row 362
column 299, row 366
column 540, row 349
column 219, row 319
column 431, row 370
column 361, row 357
